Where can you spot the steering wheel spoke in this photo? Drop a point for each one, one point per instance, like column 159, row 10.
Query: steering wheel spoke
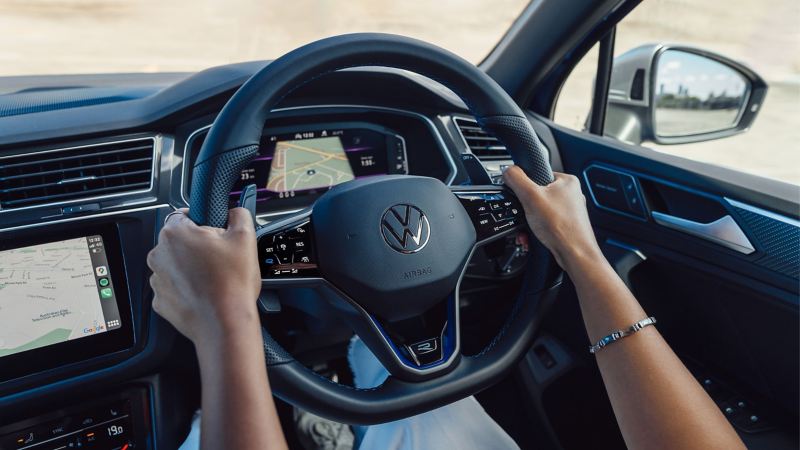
column 494, row 211
column 415, row 348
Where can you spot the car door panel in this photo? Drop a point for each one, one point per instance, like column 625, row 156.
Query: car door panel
column 726, row 302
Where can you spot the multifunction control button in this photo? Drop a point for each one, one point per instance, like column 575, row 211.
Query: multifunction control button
column 288, row 253
column 492, row 212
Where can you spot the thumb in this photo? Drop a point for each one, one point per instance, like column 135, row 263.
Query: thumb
column 240, row 219
column 518, row 181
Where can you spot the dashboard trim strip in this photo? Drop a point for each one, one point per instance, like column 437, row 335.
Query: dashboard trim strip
column 92, row 216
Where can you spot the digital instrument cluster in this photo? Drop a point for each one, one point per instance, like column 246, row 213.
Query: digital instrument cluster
column 297, row 164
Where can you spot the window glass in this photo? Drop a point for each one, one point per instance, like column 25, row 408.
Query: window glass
column 575, row 99
column 761, row 34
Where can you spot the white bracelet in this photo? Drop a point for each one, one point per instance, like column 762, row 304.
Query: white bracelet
column 619, row 334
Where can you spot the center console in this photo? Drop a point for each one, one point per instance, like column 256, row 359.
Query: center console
column 78, row 340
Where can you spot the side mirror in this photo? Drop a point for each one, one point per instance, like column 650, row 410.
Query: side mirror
column 677, row 95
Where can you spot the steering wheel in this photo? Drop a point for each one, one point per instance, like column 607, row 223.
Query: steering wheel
column 387, row 252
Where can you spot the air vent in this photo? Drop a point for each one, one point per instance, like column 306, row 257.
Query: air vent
column 74, row 173
column 482, row 144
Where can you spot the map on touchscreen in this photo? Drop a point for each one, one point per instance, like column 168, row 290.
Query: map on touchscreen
column 308, row 164
column 51, row 293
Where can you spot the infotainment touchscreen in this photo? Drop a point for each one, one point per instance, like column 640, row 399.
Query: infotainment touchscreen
column 55, row 292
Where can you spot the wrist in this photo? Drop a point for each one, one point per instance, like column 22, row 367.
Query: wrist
column 229, row 349
column 230, row 330
column 579, row 259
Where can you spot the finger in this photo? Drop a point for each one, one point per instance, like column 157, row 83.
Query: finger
column 239, row 219
column 156, row 304
column 179, row 219
column 519, row 182
column 152, row 281
column 564, row 176
column 152, row 259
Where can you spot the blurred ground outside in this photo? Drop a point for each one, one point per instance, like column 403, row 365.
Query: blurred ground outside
column 102, row 36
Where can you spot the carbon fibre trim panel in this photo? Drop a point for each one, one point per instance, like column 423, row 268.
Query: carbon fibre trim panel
column 777, row 242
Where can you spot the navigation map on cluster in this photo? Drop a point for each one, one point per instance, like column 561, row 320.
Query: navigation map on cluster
column 308, row 164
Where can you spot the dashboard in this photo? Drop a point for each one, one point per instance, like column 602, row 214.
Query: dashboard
column 84, row 361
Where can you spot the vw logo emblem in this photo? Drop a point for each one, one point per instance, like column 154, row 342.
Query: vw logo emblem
column 405, row 228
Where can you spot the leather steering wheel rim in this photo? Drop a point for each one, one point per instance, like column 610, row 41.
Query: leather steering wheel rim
column 233, row 141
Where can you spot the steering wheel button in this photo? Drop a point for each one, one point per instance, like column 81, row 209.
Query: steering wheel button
column 495, row 206
column 503, row 226
column 501, row 215
column 297, row 233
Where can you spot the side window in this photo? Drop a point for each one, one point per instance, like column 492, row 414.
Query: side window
column 721, row 85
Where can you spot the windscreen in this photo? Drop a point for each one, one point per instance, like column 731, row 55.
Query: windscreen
column 112, row 36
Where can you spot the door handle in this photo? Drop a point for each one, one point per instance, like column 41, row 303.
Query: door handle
column 723, row 231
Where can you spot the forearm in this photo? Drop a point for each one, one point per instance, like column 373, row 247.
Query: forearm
column 238, row 411
column 657, row 402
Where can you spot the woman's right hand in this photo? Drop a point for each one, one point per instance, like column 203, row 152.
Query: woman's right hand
column 557, row 215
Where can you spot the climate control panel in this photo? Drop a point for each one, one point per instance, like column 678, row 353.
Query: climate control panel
column 119, row 422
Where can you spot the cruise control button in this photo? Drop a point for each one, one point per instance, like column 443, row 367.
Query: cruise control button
column 298, row 233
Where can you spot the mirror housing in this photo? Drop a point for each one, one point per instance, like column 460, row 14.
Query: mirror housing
column 695, row 96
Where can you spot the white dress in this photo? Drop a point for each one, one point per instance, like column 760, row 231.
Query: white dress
column 462, row 425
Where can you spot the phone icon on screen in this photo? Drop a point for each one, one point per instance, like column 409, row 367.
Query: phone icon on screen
column 106, row 293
